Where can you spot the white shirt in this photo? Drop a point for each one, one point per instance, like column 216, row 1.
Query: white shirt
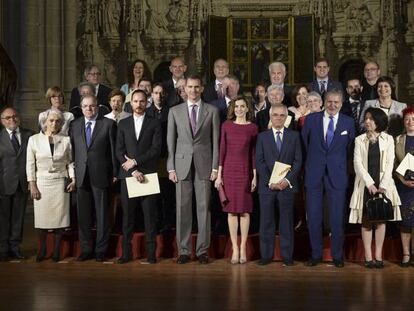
column 217, row 85
column 93, row 122
column 326, row 83
column 18, row 135
column 96, row 89
column 326, row 121
column 228, row 100
column 190, row 108
column 275, row 133
column 138, row 120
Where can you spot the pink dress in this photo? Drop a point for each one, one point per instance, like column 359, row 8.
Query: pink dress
column 237, row 157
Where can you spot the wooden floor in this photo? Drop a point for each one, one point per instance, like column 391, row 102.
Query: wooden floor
column 71, row 285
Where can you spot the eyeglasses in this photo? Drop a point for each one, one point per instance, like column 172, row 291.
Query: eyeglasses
column 56, row 96
column 370, row 69
column 94, row 73
column 14, row 117
column 89, row 106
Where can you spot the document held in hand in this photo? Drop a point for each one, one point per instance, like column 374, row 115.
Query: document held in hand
column 138, row 189
column 279, row 172
column 406, row 164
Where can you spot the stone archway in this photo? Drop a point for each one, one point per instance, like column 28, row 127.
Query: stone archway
column 162, row 72
column 351, row 68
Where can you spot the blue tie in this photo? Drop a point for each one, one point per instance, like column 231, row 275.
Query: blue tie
column 88, row 133
column 330, row 131
column 278, row 141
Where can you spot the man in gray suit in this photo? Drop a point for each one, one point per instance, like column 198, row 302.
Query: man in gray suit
column 192, row 138
column 13, row 183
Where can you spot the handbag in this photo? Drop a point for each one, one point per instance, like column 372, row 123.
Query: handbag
column 222, row 195
column 379, row 208
column 409, row 175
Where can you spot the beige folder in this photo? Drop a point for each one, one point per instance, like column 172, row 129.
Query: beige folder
column 138, row 189
column 406, row 164
column 279, row 172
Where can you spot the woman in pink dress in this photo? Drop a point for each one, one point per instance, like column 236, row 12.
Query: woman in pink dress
column 237, row 171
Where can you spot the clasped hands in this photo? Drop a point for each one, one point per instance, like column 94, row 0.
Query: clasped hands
column 281, row 185
column 373, row 190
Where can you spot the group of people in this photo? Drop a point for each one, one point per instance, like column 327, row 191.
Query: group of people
column 213, row 144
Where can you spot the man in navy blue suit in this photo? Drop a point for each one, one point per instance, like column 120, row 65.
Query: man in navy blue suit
column 323, row 83
column 231, row 86
column 327, row 137
column 283, row 145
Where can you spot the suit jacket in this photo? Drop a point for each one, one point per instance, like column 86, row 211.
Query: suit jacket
column 363, row 179
column 221, row 105
column 395, row 121
column 347, row 110
column 161, row 116
column 12, row 165
column 171, row 96
column 267, row 154
column 102, row 97
column 263, row 118
column 146, row 150
column 184, row 149
column 287, row 99
column 40, row 158
column 321, row 159
column 209, row 92
column 99, row 160
column 332, row 85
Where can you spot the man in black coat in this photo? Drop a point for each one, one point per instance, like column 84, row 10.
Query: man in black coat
column 138, row 149
column 13, row 183
column 93, row 146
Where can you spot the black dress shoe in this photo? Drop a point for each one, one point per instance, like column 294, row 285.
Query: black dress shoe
column 264, row 262
column 405, row 264
column 338, row 263
column 100, row 257
column 123, row 260
column 16, row 255
column 148, row 261
column 203, row 259
column 287, row 263
column 379, row 264
column 84, row 257
column 369, row 264
column 183, row 259
column 313, row 262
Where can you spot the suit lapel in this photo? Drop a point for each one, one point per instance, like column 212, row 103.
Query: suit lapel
column 6, row 140
column 338, row 130
column 320, row 128
column 272, row 143
column 202, row 114
column 143, row 127
column 286, row 139
column 186, row 118
column 24, row 136
column 98, row 126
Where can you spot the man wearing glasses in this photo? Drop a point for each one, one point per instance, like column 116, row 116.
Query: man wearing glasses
column 13, row 184
column 369, row 85
column 92, row 75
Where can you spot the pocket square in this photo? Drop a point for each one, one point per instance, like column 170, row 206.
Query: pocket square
column 344, row 133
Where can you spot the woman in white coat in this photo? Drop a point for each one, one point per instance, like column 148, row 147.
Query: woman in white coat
column 373, row 163
column 49, row 164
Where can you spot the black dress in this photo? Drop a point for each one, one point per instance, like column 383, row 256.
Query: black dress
column 407, row 193
column 374, row 162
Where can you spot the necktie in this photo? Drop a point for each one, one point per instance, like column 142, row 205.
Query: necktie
column 193, row 119
column 88, row 133
column 355, row 111
column 330, row 131
column 323, row 88
column 220, row 90
column 15, row 142
column 278, row 141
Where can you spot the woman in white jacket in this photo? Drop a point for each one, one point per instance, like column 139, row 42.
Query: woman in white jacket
column 373, row 163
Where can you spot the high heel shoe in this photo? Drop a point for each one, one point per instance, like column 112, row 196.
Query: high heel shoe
column 405, row 264
column 235, row 257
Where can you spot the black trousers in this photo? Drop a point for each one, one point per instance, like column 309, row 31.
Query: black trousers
column 12, row 211
column 149, row 209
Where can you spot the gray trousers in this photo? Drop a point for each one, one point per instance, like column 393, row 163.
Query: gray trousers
column 184, row 192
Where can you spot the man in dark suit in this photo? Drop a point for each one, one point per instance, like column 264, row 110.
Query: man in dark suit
column 231, row 87
column 327, row 137
column 177, row 69
column 275, row 97
column 92, row 75
column 13, row 183
column 354, row 105
column 369, row 86
column 323, row 83
column 193, row 138
column 215, row 89
column 138, row 148
column 277, row 75
column 282, row 145
column 93, row 146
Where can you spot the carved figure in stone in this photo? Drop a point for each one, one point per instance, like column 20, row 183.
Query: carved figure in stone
column 109, row 17
column 156, row 23
column 358, row 18
column 322, row 43
column 8, row 79
column 85, row 47
column 176, row 17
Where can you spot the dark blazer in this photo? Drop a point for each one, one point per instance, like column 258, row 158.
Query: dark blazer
column 263, row 118
column 320, row 159
column 209, row 93
column 171, row 96
column 347, row 110
column 287, row 99
column 99, row 160
column 221, row 105
column 332, row 85
column 146, row 150
column 267, row 154
column 102, row 97
column 12, row 166
column 161, row 116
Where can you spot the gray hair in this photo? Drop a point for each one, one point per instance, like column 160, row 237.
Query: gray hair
column 89, row 68
column 274, row 87
column 279, row 65
column 278, row 106
column 334, row 92
column 87, row 84
column 315, row 94
column 51, row 111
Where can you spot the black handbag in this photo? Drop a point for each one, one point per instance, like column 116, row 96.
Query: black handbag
column 379, row 208
column 409, row 175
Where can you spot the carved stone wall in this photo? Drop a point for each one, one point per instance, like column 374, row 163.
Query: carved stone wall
column 51, row 41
